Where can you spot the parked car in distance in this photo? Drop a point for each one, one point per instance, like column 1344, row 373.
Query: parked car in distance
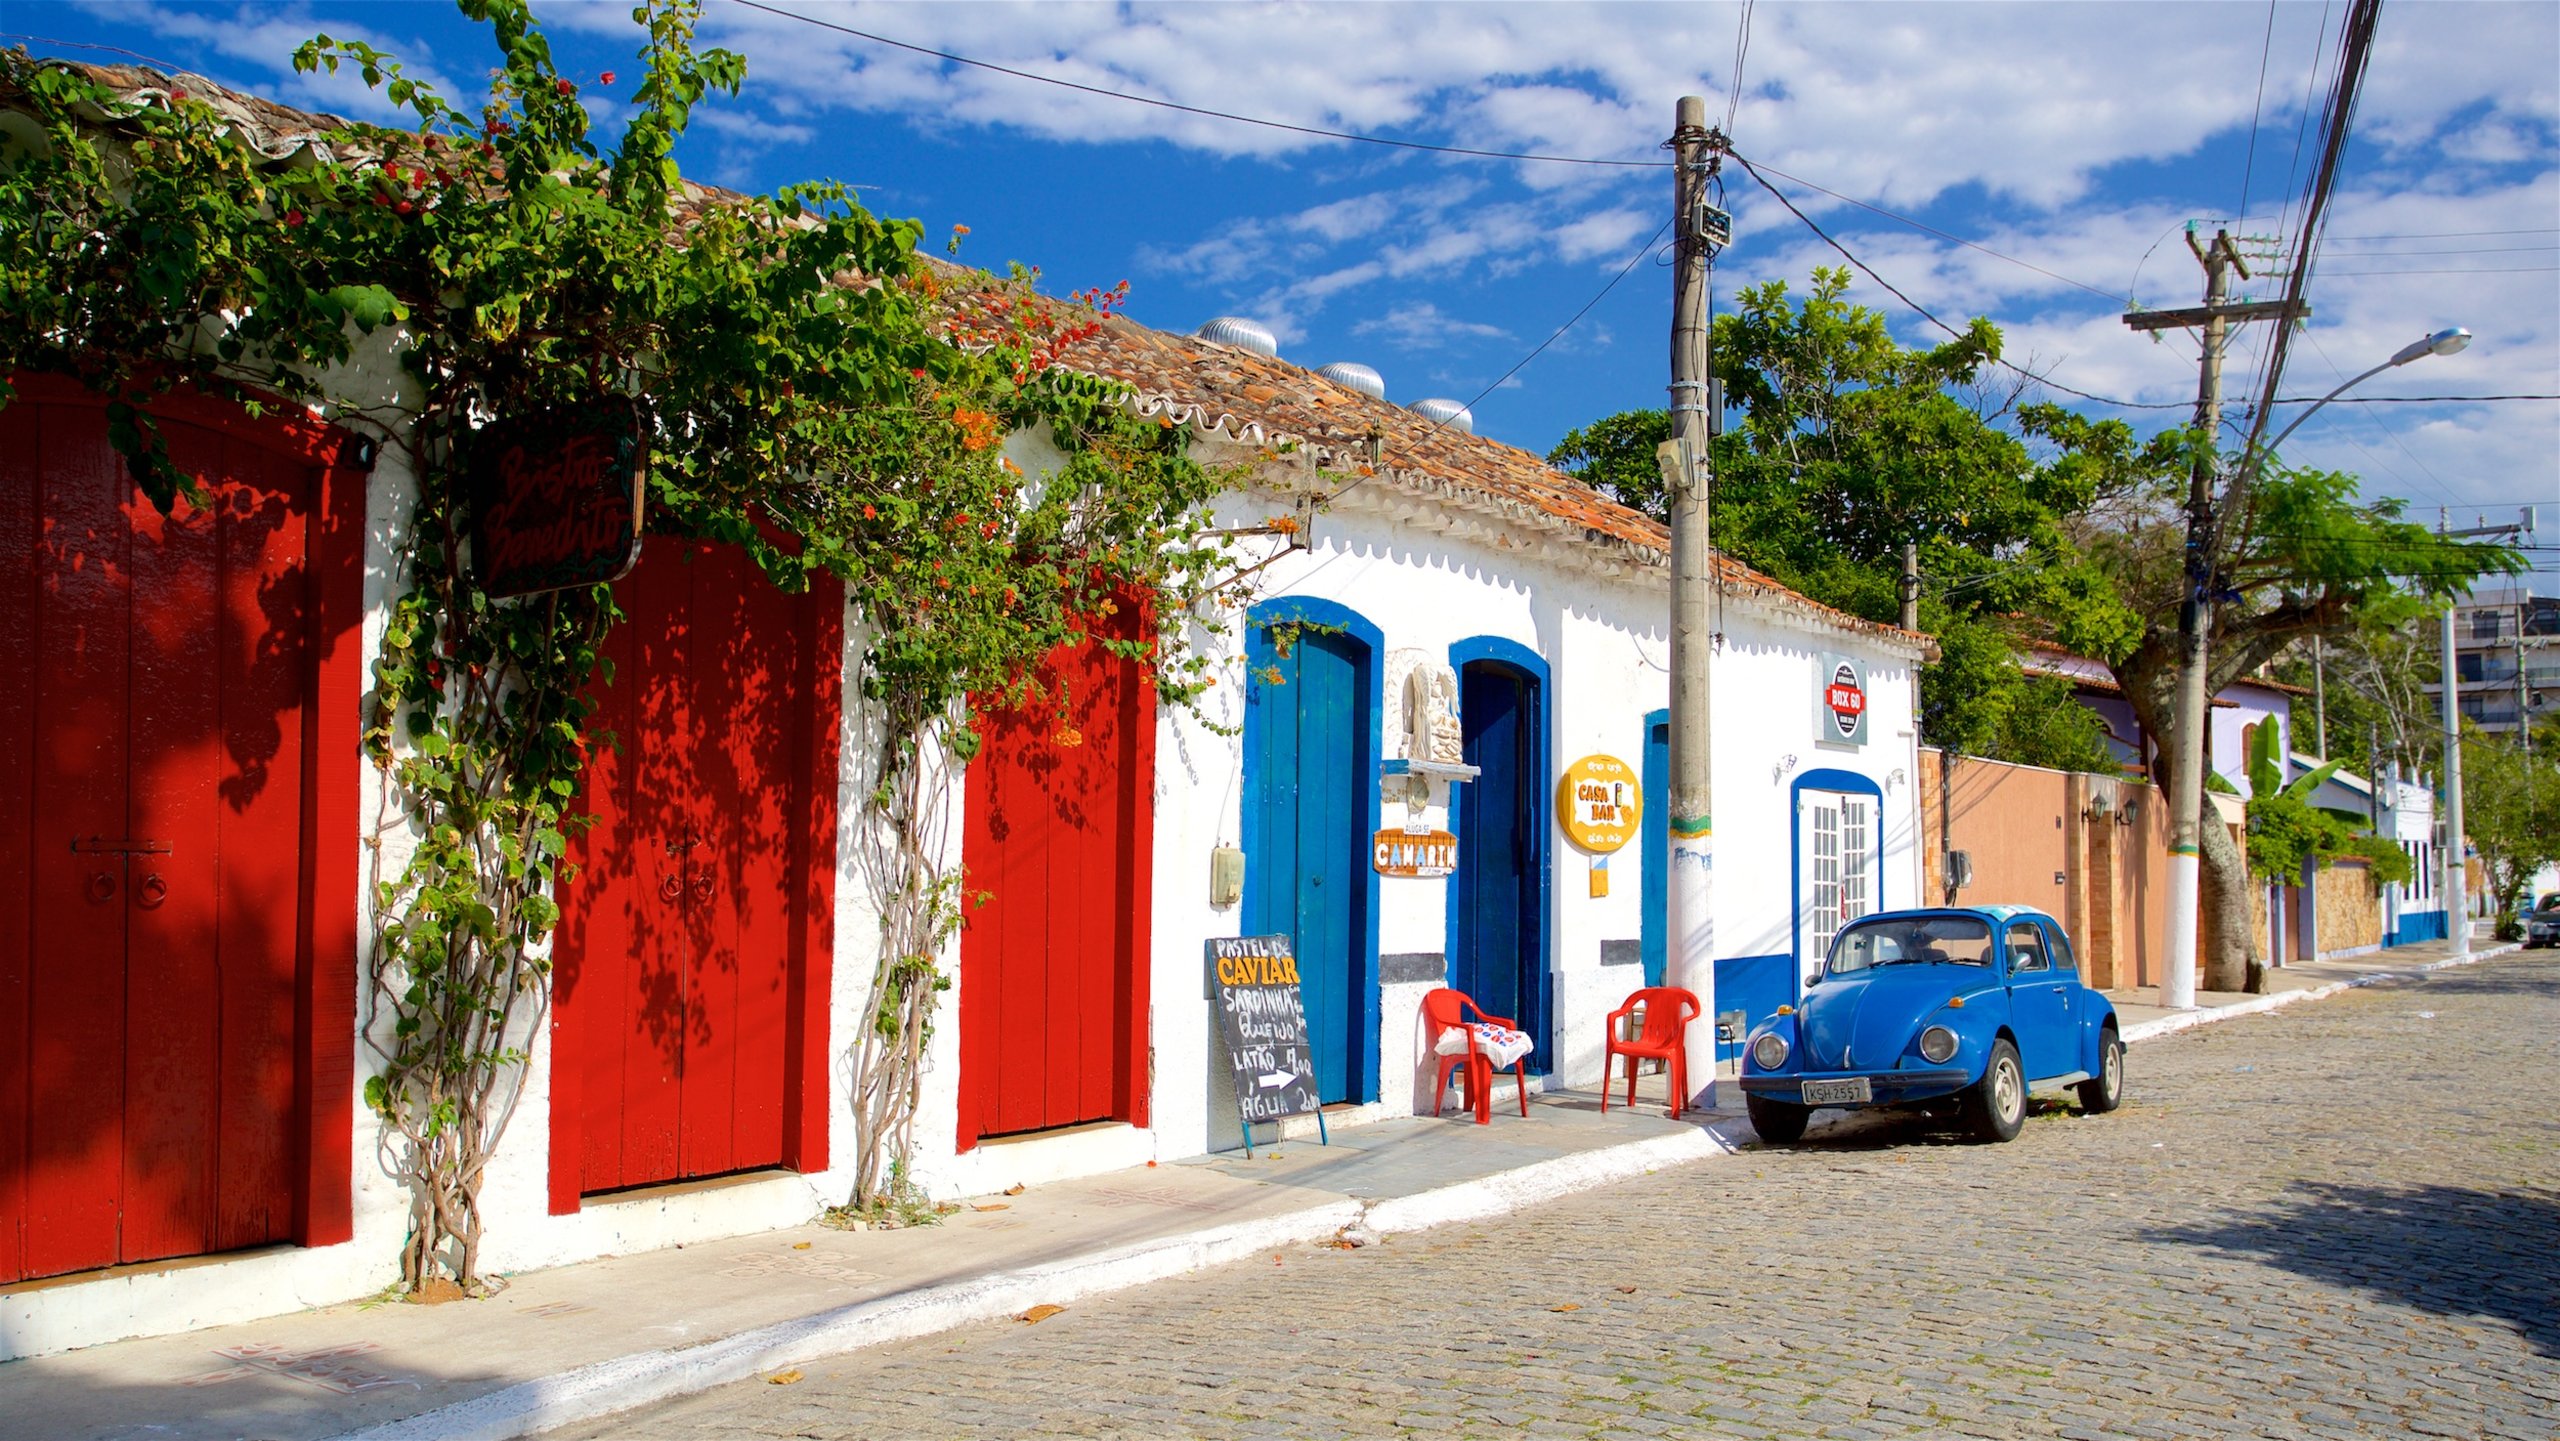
column 1964, row 1007
column 2542, row 923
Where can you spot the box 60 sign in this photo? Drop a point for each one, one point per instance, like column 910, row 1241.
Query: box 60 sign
column 1840, row 707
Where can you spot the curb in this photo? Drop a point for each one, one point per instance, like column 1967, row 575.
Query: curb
column 2260, row 1005
column 624, row 1383
column 601, row 1389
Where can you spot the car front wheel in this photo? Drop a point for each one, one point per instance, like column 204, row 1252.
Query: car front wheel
column 1778, row 1122
column 1997, row 1105
column 2104, row 1091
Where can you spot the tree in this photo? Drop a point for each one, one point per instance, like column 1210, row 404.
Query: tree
column 2511, row 807
column 1851, row 444
column 2027, row 516
column 2302, row 556
column 2374, row 679
column 817, row 395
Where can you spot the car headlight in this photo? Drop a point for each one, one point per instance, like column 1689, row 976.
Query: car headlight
column 1936, row 1044
column 1769, row 1052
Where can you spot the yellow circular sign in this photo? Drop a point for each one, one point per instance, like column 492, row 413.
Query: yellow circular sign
column 1600, row 800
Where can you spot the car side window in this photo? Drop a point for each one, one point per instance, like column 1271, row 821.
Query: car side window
column 2060, row 941
column 2026, row 948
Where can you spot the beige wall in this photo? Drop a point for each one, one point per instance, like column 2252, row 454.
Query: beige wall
column 2350, row 913
column 2021, row 825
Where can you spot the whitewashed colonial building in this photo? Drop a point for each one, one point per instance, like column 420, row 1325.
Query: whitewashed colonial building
column 688, row 1089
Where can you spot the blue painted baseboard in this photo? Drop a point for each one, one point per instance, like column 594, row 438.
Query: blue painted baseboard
column 1754, row 985
column 2414, row 926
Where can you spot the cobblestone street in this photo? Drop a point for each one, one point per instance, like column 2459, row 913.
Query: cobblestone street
column 2341, row 1219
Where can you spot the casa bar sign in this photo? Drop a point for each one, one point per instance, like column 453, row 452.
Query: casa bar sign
column 556, row 497
column 1840, row 708
column 1418, row 854
column 1601, row 802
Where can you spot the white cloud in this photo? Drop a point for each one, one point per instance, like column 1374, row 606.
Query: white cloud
column 260, row 45
column 1421, row 325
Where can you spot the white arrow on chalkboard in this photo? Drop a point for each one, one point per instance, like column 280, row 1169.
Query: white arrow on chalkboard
column 1273, row 1080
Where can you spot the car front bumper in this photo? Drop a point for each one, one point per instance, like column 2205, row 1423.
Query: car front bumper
column 1889, row 1088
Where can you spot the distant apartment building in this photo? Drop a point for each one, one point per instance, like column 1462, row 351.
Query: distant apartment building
column 2506, row 658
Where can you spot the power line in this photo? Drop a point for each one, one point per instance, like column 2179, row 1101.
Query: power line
column 2449, row 250
column 2408, row 399
column 1923, row 311
column 2484, row 270
column 2447, row 234
column 2257, row 107
column 1312, row 130
column 2355, row 49
column 1925, row 229
column 1641, row 252
column 1741, row 48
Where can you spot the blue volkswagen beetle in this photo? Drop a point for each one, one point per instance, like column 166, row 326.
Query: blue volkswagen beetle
column 1970, row 1006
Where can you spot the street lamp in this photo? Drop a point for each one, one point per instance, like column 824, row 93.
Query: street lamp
column 2443, row 342
column 2178, row 985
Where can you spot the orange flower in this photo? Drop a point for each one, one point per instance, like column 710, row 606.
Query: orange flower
column 977, row 428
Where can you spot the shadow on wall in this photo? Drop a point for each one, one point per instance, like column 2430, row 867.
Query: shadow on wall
column 2442, row 1249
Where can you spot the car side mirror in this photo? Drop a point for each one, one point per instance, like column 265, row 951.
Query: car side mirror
column 1814, row 976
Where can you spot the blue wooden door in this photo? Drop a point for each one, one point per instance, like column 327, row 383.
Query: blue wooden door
column 1656, row 840
column 1307, row 830
column 1497, row 953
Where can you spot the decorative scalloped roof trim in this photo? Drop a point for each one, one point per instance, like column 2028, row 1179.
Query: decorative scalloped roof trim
column 1738, row 580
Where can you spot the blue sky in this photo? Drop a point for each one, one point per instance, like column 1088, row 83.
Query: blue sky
column 2079, row 138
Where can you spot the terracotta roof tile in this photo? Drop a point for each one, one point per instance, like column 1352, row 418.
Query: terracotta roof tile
column 1214, row 388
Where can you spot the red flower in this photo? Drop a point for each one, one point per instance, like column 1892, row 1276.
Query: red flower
column 405, row 208
column 564, row 87
column 606, row 77
column 293, row 217
column 871, row 512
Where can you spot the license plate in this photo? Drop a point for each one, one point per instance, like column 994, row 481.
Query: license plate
column 1837, row 1093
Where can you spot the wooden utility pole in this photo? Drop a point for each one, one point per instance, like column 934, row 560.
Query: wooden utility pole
column 2195, row 607
column 1910, row 585
column 2319, row 701
column 1685, row 474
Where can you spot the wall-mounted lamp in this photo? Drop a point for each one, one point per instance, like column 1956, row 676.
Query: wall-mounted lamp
column 1895, row 777
column 1779, row 771
column 2132, row 807
column 2102, row 804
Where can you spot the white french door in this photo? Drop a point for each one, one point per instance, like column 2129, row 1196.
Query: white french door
column 1835, row 870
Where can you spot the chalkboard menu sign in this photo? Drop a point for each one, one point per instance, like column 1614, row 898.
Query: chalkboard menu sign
column 1255, row 982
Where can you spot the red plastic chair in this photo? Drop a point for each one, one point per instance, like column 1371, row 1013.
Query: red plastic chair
column 1668, row 1010
column 1444, row 1008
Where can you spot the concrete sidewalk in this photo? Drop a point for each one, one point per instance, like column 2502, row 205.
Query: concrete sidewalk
column 2143, row 1016
column 583, row 1341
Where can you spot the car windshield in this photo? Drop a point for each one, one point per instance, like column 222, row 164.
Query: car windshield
column 1911, row 940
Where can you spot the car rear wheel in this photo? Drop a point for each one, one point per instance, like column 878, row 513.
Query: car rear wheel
column 1778, row 1122
column 1997, row 1105
column 2104, row 1091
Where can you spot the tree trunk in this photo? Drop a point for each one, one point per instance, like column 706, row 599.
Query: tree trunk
column 2227, row 957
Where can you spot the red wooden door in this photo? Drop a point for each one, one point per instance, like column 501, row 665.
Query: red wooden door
column 686, row 955
column 159, row 813
column 1053, row 967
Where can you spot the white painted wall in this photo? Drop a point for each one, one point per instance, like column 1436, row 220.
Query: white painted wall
column 1428, row 575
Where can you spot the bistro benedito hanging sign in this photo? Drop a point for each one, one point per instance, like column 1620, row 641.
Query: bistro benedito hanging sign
column 556, row 497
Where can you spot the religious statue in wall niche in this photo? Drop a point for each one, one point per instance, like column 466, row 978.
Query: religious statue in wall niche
column 1431, row 716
